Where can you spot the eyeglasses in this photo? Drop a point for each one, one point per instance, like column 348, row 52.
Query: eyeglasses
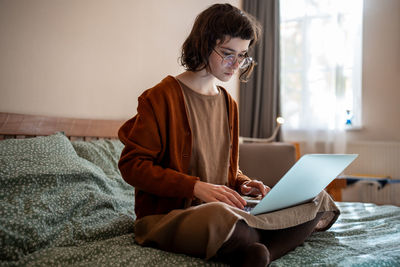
column 230, row 60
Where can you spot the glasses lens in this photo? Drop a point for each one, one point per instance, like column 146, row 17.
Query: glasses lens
column 245, row 63
column 229, row 60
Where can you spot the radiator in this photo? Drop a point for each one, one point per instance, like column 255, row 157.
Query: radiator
column 373, row 192
column 375, row 158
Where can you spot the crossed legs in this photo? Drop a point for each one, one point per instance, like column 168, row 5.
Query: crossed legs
column 254, row 247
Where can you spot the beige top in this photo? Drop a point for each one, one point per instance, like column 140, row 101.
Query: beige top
column 208, row 119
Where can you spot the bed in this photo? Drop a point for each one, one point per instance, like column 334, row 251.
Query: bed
column 63, row 202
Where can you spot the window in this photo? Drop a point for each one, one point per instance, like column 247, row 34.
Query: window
column 321, row 48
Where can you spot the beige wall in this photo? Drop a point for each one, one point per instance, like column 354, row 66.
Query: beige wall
column 92, row 58
column 381, row 72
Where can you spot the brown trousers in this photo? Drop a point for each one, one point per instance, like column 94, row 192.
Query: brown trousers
column 201, row 230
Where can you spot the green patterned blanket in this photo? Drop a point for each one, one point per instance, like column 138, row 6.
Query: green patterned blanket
column 65, row 203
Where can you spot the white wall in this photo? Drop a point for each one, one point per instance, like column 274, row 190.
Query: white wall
column 381, row 72
column 90, row 58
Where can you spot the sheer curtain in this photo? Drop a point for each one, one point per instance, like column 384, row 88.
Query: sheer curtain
column 321, row 72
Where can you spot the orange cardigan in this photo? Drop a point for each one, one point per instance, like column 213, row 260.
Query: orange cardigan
column 158, row 146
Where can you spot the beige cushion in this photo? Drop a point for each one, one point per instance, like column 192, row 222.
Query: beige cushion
column 267, row 162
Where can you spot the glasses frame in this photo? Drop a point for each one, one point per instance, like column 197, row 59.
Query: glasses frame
column 230, row 60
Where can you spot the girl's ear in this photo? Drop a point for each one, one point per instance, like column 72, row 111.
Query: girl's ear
column 218, row 42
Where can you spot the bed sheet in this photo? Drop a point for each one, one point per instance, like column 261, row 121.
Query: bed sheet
column 64, row 203
column 365, row 235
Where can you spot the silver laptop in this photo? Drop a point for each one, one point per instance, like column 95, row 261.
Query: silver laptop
column 304, row 181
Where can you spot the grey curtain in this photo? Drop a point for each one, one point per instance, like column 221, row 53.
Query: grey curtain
column 259, row 97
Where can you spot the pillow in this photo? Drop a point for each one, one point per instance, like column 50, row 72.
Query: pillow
column 49, row 196
column 103, row 153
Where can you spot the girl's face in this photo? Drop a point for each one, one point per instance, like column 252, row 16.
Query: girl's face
column 218, row 67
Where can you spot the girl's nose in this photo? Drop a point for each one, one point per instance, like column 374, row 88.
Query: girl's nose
column 236, row 64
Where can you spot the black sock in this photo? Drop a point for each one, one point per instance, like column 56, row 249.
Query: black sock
column 243, row 248
column 256, row 255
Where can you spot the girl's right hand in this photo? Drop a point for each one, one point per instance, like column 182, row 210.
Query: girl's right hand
column 218, row 193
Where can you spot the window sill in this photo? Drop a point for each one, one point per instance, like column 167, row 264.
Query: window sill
column 353, row 128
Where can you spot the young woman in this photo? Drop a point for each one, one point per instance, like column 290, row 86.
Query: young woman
column 181, row 155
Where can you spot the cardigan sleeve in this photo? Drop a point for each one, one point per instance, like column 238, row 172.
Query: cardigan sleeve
column 142, row 158
column 241, row 179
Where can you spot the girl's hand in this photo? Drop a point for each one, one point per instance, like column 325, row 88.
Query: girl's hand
column 218, row 193
column 254, row 188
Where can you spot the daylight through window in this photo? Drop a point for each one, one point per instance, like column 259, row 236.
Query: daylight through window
column 321, row 48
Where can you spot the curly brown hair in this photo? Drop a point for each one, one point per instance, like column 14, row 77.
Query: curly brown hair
column 216, row 23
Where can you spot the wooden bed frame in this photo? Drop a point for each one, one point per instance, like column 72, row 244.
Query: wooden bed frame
column 22, row 126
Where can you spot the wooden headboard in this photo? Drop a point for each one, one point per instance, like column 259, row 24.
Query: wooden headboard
column 21, row 126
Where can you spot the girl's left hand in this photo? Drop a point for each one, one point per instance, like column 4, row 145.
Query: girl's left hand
column 254, row 188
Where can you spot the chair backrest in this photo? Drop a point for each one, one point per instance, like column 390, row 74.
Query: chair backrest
column 266, row 162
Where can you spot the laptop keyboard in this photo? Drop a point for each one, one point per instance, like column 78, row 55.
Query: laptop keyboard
column 248, row 208
column 251, row 203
